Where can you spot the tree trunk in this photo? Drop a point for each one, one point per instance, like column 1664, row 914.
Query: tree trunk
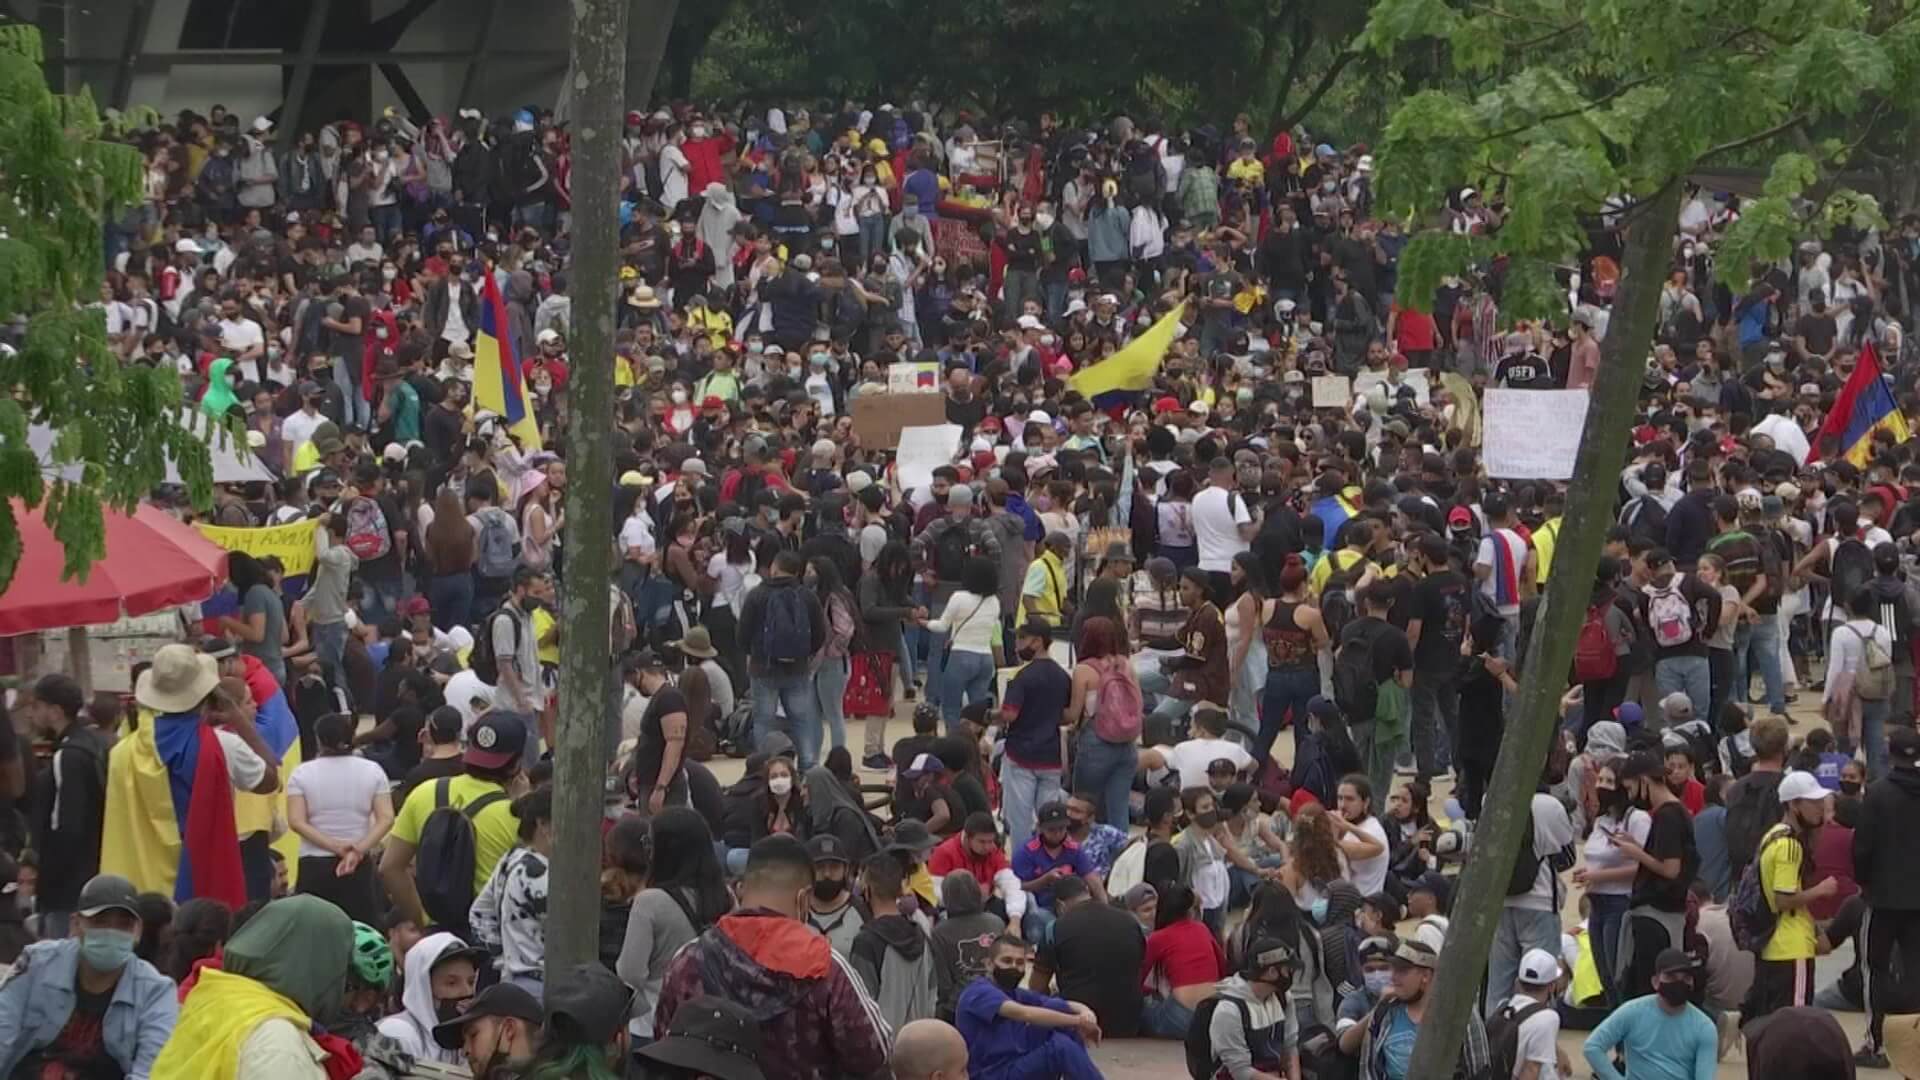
column 597, row 73
column 1504, row 818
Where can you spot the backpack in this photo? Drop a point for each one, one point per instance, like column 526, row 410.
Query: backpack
column 1874, row 679
column 1753, row 807
column 1118, row 715
column 1503, row 1035
column 1639, row 656
column 1202, row 1063
column 1749, row 915
column 1670, row 615
column 367, row 533
column 1593, row 657
column 483, row 661
column 1526, row 864
column 1354, row 688
column 498, row 553
column 443, row 869
column 1773, row 562
column 1849, row 570
column 951, row 551
column 1645, row 519
column 786, row 633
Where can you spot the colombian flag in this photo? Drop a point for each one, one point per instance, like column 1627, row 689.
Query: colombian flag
column 497, row 383
column 1133, row 367
column 1865, row 405
column 154, row 804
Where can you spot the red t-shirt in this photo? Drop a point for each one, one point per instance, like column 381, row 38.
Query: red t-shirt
column 952, row 854
column 1186, row 952
column 1413, row 331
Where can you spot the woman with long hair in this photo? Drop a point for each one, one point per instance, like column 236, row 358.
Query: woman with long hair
column 971, row 624
column 541, row 518
column 782, row 807
column 1293, row 634
column 1174, row 537
column 341, row 807
column 627, row 857
column 450, row 553
column 1105, row 704
column 844, row 638
column 1314, row 861
column 1104, row 598
column 732, row 570
column 686, row 893
column 886, row 603
column 1246, row 665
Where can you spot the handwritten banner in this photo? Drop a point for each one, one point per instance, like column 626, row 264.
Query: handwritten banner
column 1534, row 434
column 1332, row 391
column 291, row 544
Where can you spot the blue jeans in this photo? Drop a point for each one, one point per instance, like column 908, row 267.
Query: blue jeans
column 347, row 377
column 967, row 677
column 1106, row 769
column 1165, row 1018
column 385, row 220
column 830, row 688
column 1873, row 736
column 1518, row 930
column 1608, row 912
column 380, row 600
column 1286, row 692
column 1052, row 1054
column 1023, row 792
column 1689, row 675
column 1055, row 297
column 873, row 236
column 330, row 644
column 451, row 597
column 795, row 694
column 1757, row 644
column 1036, row 926
column 1243, row 700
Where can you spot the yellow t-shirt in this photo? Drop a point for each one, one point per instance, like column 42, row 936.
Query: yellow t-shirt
column 1339, row 559
column 548, row 653
column 495, row 829
column 1544, row 538
column 1793, row 935
column 1250, row 169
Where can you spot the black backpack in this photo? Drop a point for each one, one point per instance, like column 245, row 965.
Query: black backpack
column 1646, row 519
column 482, row 660
column 786, row 630
column 1202, row 1063
column 1354, row 688
column 1851, row 567
column 1503, row 1035
column 1526, row 864
column 1753, row 807
column 443, row 869
column 951, row 552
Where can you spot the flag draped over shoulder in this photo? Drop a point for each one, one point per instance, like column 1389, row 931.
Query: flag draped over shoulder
column 153, row 804
column 1865, row 405
column 498, row 385
column 1134, row 366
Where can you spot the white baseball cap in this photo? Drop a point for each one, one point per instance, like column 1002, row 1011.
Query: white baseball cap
column 1539, row 968
column 1029, row 322
column 1800, row 785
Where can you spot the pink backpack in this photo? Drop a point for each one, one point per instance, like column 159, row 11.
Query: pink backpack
column 1116, row 718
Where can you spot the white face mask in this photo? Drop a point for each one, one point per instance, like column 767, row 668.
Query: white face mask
column 679, row 397
column 780, row 785
column 1045, row 221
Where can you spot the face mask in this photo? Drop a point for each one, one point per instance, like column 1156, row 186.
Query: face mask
column 1045, row 221
column 389, row 272
column 1317, row 911
column 1377, row 981
column 1675, row 993
column 106, row 950
column 780, row 785
column 1849, row 787
column 1027, row 655
column 445, row 1009
column 1007, row 979
column 1207, row 820
column 827, row 889
column 679, row 397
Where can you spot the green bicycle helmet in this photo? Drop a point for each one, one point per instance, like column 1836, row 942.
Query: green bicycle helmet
column 372, row 956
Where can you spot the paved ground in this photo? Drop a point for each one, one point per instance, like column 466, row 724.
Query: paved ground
column 1147, row 1059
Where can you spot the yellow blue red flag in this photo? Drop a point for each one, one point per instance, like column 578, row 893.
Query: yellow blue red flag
column 1865, row 405
column 498, row 383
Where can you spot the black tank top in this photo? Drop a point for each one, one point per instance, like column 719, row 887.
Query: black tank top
column 1289, row 648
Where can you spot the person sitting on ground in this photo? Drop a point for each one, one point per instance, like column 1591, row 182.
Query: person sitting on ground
column 1013, row 1033
column 1386, row 1050
column 1045, row 860
column 1663, row 1033
column 976, row 849
column 962, row 940
column 1181, row 963
column 891, row 953
column 1251, row 1034
column 498, row 1034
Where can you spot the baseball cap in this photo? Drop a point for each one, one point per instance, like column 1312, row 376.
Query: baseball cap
column 1676, row 705
column 589, row 1004
column 1415, row 954
column 1800, row 785
column 1460, row 517
column 1904, row 743
column 108, row 892
column 1629, row 714
column 1029, row 322
column 1054, row 813
column 501, row 1000
column 828, row 848
column 1672, row 960
column 1378, row 947
column 497, row 740
column 1539, row 968
column 924, row 764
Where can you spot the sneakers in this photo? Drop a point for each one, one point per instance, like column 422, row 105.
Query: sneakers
column 876, row 762
column 908, row 693
column 1869, row 1058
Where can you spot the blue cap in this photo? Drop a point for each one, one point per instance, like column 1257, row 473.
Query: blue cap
column 1629, row 714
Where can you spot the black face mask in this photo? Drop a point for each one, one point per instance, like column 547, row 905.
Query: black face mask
column 1027, row 655
column 1207, row 820
column 1008, row 979
column 828, row 888
column 1849, row 787
column 445, row 1009
column 1675, row 993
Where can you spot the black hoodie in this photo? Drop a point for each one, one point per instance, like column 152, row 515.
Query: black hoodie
column 1885, row 849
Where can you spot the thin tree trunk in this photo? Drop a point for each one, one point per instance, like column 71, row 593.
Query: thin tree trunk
column 597, row 74
column 1504, row 819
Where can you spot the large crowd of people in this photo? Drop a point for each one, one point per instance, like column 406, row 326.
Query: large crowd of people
column 1206, row 681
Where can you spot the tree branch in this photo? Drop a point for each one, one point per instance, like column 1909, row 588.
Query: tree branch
column 1320, row 89
column 1775, row 131
column 1302, row 38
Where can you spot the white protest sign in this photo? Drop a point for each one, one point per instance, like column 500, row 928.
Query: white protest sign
column 1533, row 434
column 1416, row 378
column 905, row 378
column 922, row 450
column 1332, row 391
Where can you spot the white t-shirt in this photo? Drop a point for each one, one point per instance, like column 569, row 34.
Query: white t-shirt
column 1539, row 1039
column 245, row 770
column 462, row 690
column 339, row 791
column 456, row 328
column 239, row 335
column 1552, row 830
column 1191, row 758
column 1370, row 875
column 638, row 533
column 298, row 429
column 1847, row 649
column 1217, row 517
column 1601, row 854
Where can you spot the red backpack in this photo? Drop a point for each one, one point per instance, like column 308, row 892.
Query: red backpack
column 1593, row 657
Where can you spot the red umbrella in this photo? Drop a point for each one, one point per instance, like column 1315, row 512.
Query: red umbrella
column 153, row 562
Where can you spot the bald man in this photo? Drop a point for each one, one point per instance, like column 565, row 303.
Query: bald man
column 929, row 1050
